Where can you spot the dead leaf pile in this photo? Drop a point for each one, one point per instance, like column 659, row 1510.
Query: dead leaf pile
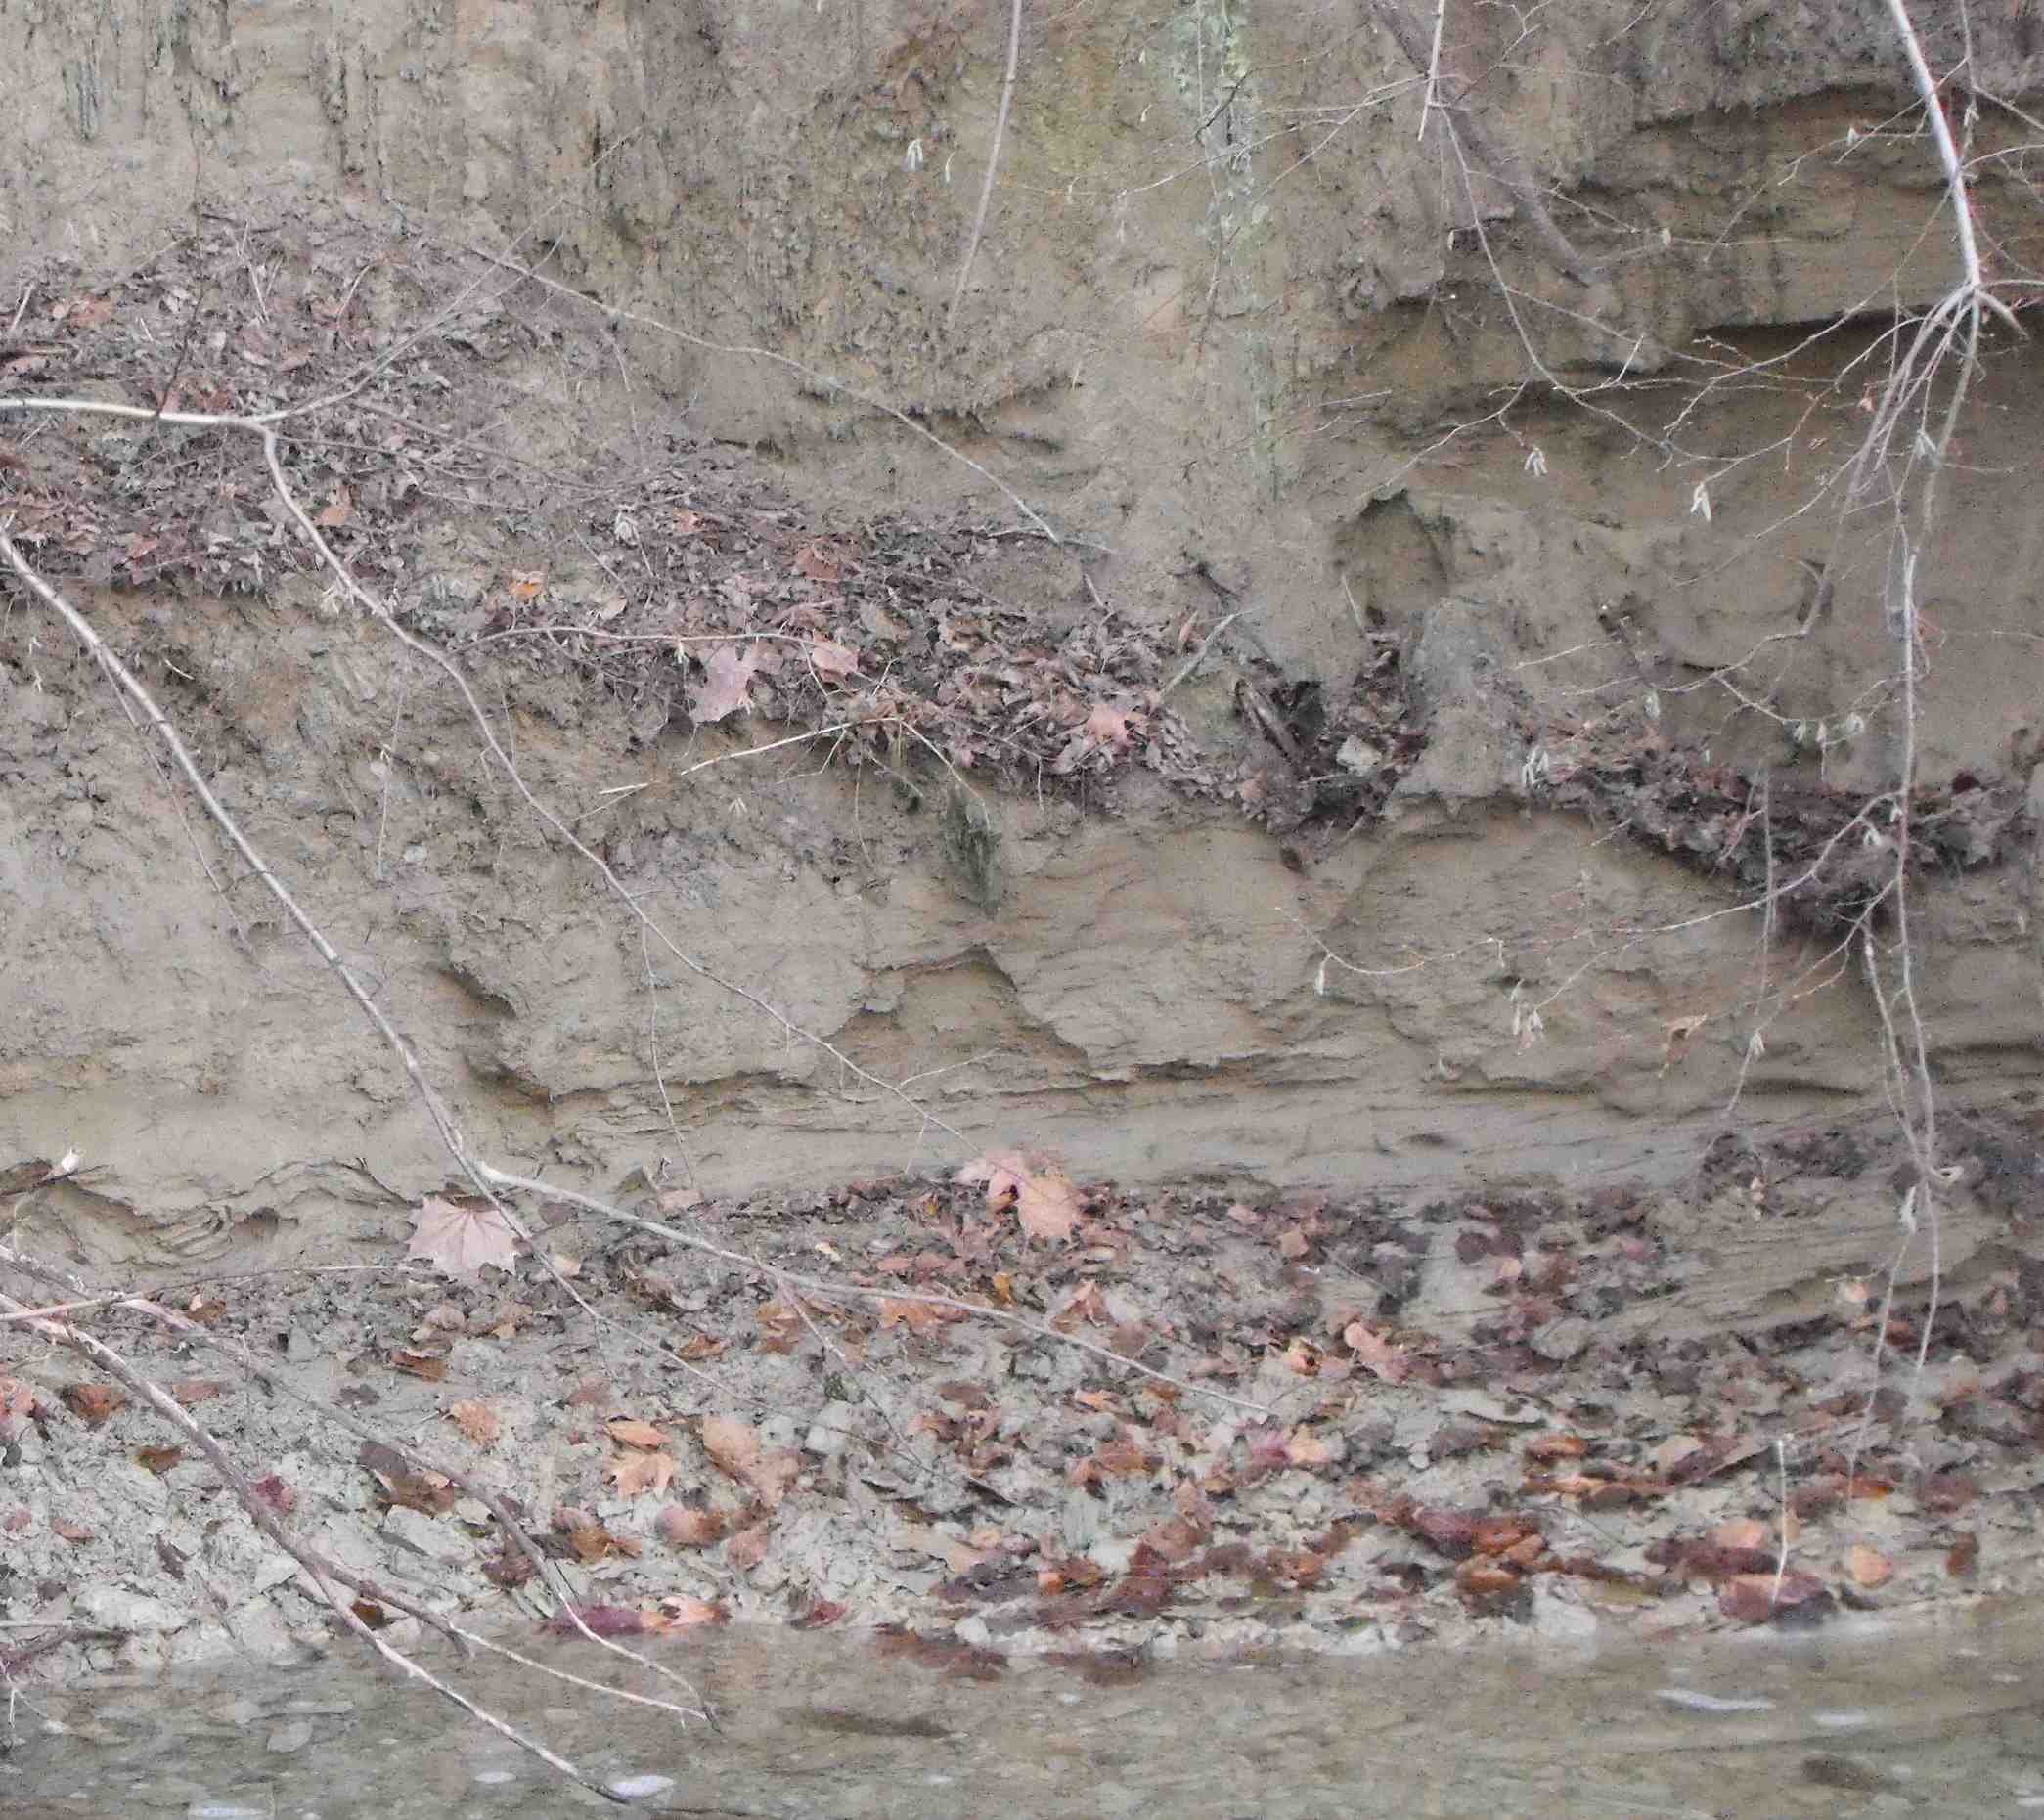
column 1042, row 1195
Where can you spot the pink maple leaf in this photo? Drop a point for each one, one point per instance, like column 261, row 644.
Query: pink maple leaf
column 461, row 1240
column 727, row 683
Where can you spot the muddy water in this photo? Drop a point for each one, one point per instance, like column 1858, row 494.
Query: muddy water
column 1865, row 1717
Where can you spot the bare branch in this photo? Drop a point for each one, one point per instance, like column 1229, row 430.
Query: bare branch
column 986, row 191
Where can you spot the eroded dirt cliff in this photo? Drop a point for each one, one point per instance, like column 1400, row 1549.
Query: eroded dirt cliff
column 1427, row 868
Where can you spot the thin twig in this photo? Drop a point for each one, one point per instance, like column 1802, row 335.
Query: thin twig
column 1427, row 101
column 1199, row 656
column 986, row 191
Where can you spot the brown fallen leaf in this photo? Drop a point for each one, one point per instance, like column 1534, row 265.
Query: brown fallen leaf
column 159, row 1460
column 1376, row 1352
column 727, row 685
column 1481, row 1580
column 917, row 1316
column 605, row 1620
column 476, row 1419
column 632, row 1432
column 431, row 1366
column 1944, row 1493
column 734, row 1449
column 1177, row 1537
column 459, row 1240
column 833, row 661
column 681, row 1610
column 1559, row 1446
column 189, row 1391
column 17, row 1406
column 1125, row 1456
column 92, row 1403
column 415, row 1489
column 1451, row 1531
column 1303, row 1448
column 636, row 1472
column 746, row 1549
column 817, row 1614
column 1757, row 1598
column 680, row 1526
column 1045, row 1199
column 1111, row 726
column 590, row 1541
column 1501, row 1536
column 779, row 1324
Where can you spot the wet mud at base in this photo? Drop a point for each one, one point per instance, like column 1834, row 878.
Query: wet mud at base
column 1910, row 1716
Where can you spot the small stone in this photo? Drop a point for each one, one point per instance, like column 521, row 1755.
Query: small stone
column 1563, row 1339
column 832, row 1430
column 289, row 1738
column 111, row 1609
column 426, row 1535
